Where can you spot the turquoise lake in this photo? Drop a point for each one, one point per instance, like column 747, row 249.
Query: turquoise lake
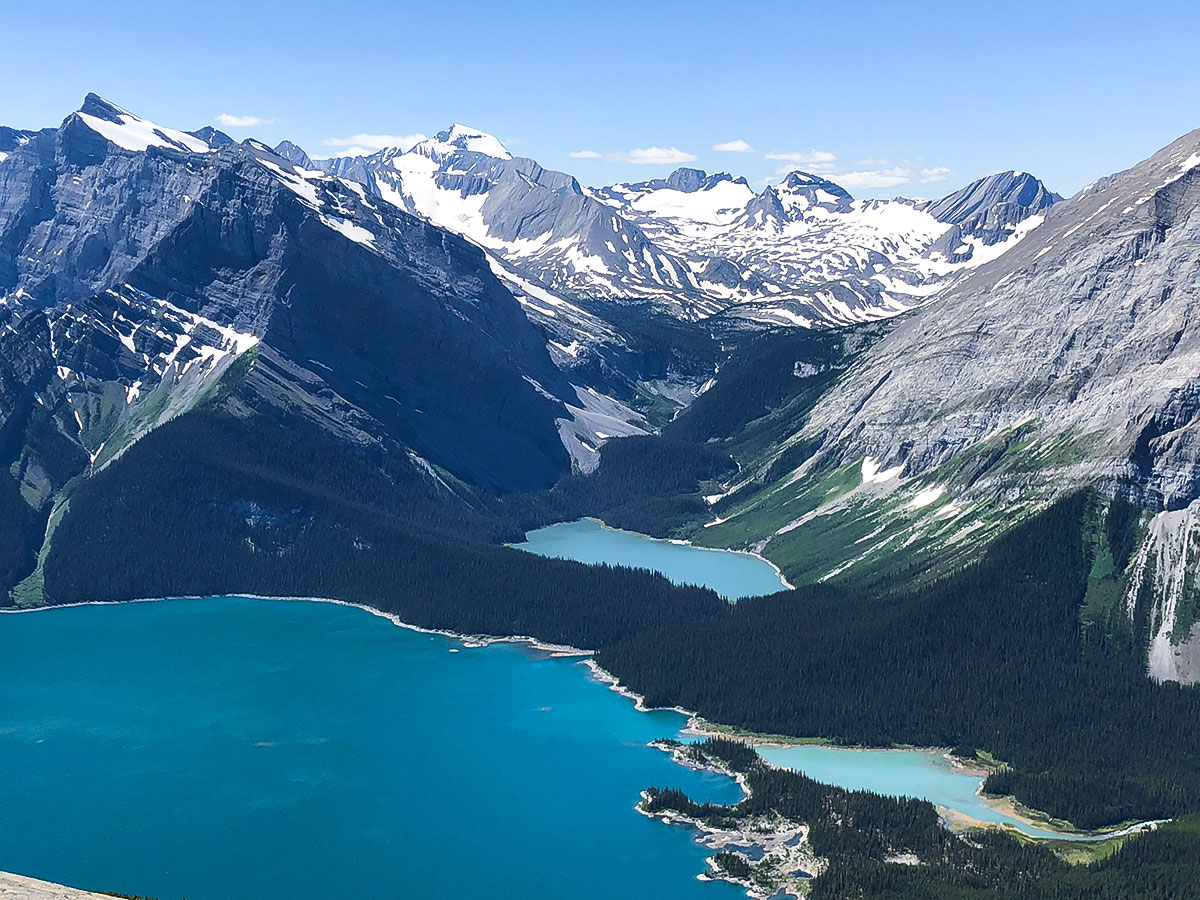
column 916, row 773
column 235, row 749
column 732, row 575
column 913, row 773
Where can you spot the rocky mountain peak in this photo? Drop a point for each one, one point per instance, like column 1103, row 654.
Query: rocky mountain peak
column 970, row 205
column 798, row 194
column 12, row 138
column 806, row 184
column 123, row 129
column 691, row 180
column 294, row 153
column 214, row 137
column 95, row 105
column 463, row 137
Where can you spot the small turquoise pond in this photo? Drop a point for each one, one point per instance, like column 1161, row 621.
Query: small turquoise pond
column 925, row 774
column 731, row 574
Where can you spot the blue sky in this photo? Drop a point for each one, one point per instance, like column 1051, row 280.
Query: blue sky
column 886, row 98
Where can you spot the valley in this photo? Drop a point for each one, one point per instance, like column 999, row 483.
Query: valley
column 942, row 454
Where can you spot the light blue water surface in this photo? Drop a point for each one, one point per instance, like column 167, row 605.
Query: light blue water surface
column 916, row 773
column 235, row 749
column 925, row 774
column 732, row 575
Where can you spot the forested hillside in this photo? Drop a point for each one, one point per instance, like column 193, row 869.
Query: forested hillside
column 996, row 657
column 859, row 835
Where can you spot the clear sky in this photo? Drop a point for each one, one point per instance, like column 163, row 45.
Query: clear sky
column 885, row 97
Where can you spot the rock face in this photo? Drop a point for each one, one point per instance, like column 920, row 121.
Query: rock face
column 213, row 137
column 11, row 138
column 987, row 211
column 1084, row 335
column 18, row 887
column 1163, row 592
column 992, row 203
column 138, row 264
column 803, row 252
column 294, row 154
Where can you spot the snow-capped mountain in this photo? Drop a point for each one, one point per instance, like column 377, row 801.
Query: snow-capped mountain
column 548, row 233
column 139, row 263
column 988, row 208
column 803, row 252
column 985, row 214
column 813, row 253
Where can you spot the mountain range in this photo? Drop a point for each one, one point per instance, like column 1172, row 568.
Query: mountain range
column 964, row 429
column 802, row 252
column 893, row 383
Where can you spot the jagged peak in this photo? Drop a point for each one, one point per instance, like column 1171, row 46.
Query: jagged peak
column 800, row 180
column 691, row 180
column 463, row 137
column 1010, row 186
column 214, row 137
column 95, row 105
column 130, row 132
column 293, row 153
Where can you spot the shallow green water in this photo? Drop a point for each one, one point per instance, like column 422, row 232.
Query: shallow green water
column 272, row 750
column 732, row 575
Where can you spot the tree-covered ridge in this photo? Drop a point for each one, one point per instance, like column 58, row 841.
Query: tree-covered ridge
column 895, row 848
column 997, row 656
column 994, row 657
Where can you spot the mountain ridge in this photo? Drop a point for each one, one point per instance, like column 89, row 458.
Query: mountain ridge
column 778, row 257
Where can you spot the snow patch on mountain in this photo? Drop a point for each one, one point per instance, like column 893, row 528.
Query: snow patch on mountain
column 802, row 252
column 594, row 419
column 133, row 133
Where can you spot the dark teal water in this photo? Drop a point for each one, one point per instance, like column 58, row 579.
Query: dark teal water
column 732, row 575
column 272, row 750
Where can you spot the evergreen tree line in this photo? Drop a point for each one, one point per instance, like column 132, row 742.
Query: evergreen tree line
column 993, row 657
column 857, row 831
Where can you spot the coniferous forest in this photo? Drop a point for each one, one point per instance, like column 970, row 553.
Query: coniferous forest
column 856, row 832
column 992, row 657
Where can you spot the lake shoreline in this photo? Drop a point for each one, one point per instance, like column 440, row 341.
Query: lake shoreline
column 787, row 585
column 785, row 841
column 295, row 697
column 696, row 725
column 953, row 818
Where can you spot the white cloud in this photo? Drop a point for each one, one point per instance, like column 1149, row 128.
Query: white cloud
column 875, row 178
column 800, row 159
column 584, row 154
column 654, row 156
column 231, row 121
column 819, row 162
column 366, row 144
column 817, row 168
column 937, row 173
column 738, row 146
